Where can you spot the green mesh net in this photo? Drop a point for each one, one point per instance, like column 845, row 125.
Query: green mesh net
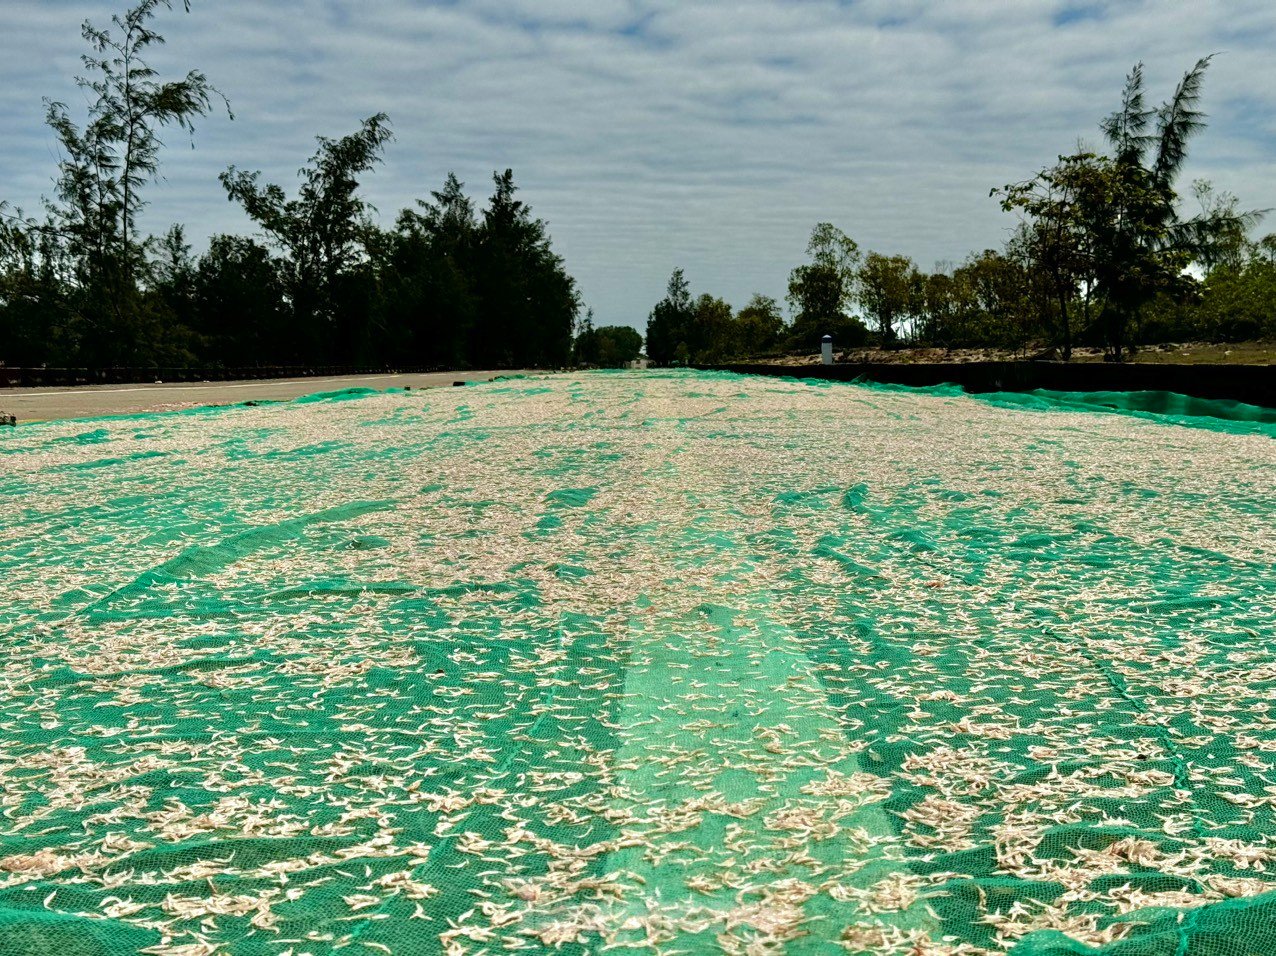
column 664, row 662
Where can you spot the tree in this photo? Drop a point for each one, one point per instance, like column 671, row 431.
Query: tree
column 441, row 288
column 240, row 310
column 172, row 270
column 1219, row 232
column 998, row 288
column 1143, row 246
column 706, row 329
column 760, row 325
column 891, row 291
column 1265, row 249
column 324, row 235
column 1109, row 227
column 711, row 335
column 529, row 303
column 944, row 307
column 132, row 105
column 609, row 346
column 455, row 290
column 832, row 249
column 167, row 301
column 36, row 324
column 1238, row 300
column 821, row 291
column 103, row 169
column 429, row 276
column 670, row 321
column 1062, row 205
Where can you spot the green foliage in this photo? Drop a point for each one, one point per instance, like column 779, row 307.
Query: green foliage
column 759, row 326
column 323, row 237
column 329, row 286
column 1218, row 235
column 528, row 302
column 669, row 325
column 1062, row 204
column 240, row 309
column 131, row 105
column 457, row 290
column 73, row 281
column 892, row 291
column 428, row 278
column 822, row 291
column 706, row 330
column 984, row 301
column 37, row 320
column 609, row 346
column 1109, row 228
column 1104, row 254
column 1237, row 302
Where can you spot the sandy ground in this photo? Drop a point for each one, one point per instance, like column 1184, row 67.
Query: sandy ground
column 89, row 401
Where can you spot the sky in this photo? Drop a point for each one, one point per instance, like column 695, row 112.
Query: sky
column 655, row 134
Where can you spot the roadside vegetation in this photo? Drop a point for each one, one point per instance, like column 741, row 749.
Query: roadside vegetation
column 1108, row 258
column 1111, row 253
column 448, row 285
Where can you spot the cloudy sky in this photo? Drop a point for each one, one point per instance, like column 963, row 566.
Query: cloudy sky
column 658, row 133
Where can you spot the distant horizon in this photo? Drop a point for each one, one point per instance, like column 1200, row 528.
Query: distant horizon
column 651, row 137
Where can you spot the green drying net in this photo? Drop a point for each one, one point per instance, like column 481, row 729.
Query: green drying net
column 656, row 662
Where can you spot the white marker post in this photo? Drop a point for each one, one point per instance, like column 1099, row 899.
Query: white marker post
column 826, row 350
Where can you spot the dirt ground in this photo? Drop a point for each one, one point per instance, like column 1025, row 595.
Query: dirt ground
column 91, row 401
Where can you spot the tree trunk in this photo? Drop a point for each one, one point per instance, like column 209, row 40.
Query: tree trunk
column 1065, row 327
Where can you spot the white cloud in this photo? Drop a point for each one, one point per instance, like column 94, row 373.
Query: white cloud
column 654, row 133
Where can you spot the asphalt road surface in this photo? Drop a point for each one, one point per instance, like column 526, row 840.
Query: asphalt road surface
column 90, row 401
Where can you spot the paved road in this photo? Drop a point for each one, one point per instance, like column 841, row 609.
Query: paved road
column 88, row 401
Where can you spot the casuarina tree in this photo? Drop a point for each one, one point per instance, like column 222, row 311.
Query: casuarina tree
column 104, row 165
column 323, row 235
column 1113, row 223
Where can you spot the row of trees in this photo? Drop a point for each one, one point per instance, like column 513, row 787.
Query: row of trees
column 858, row 299
column 1103, row 255
column 448, row 285
column 685, row 329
